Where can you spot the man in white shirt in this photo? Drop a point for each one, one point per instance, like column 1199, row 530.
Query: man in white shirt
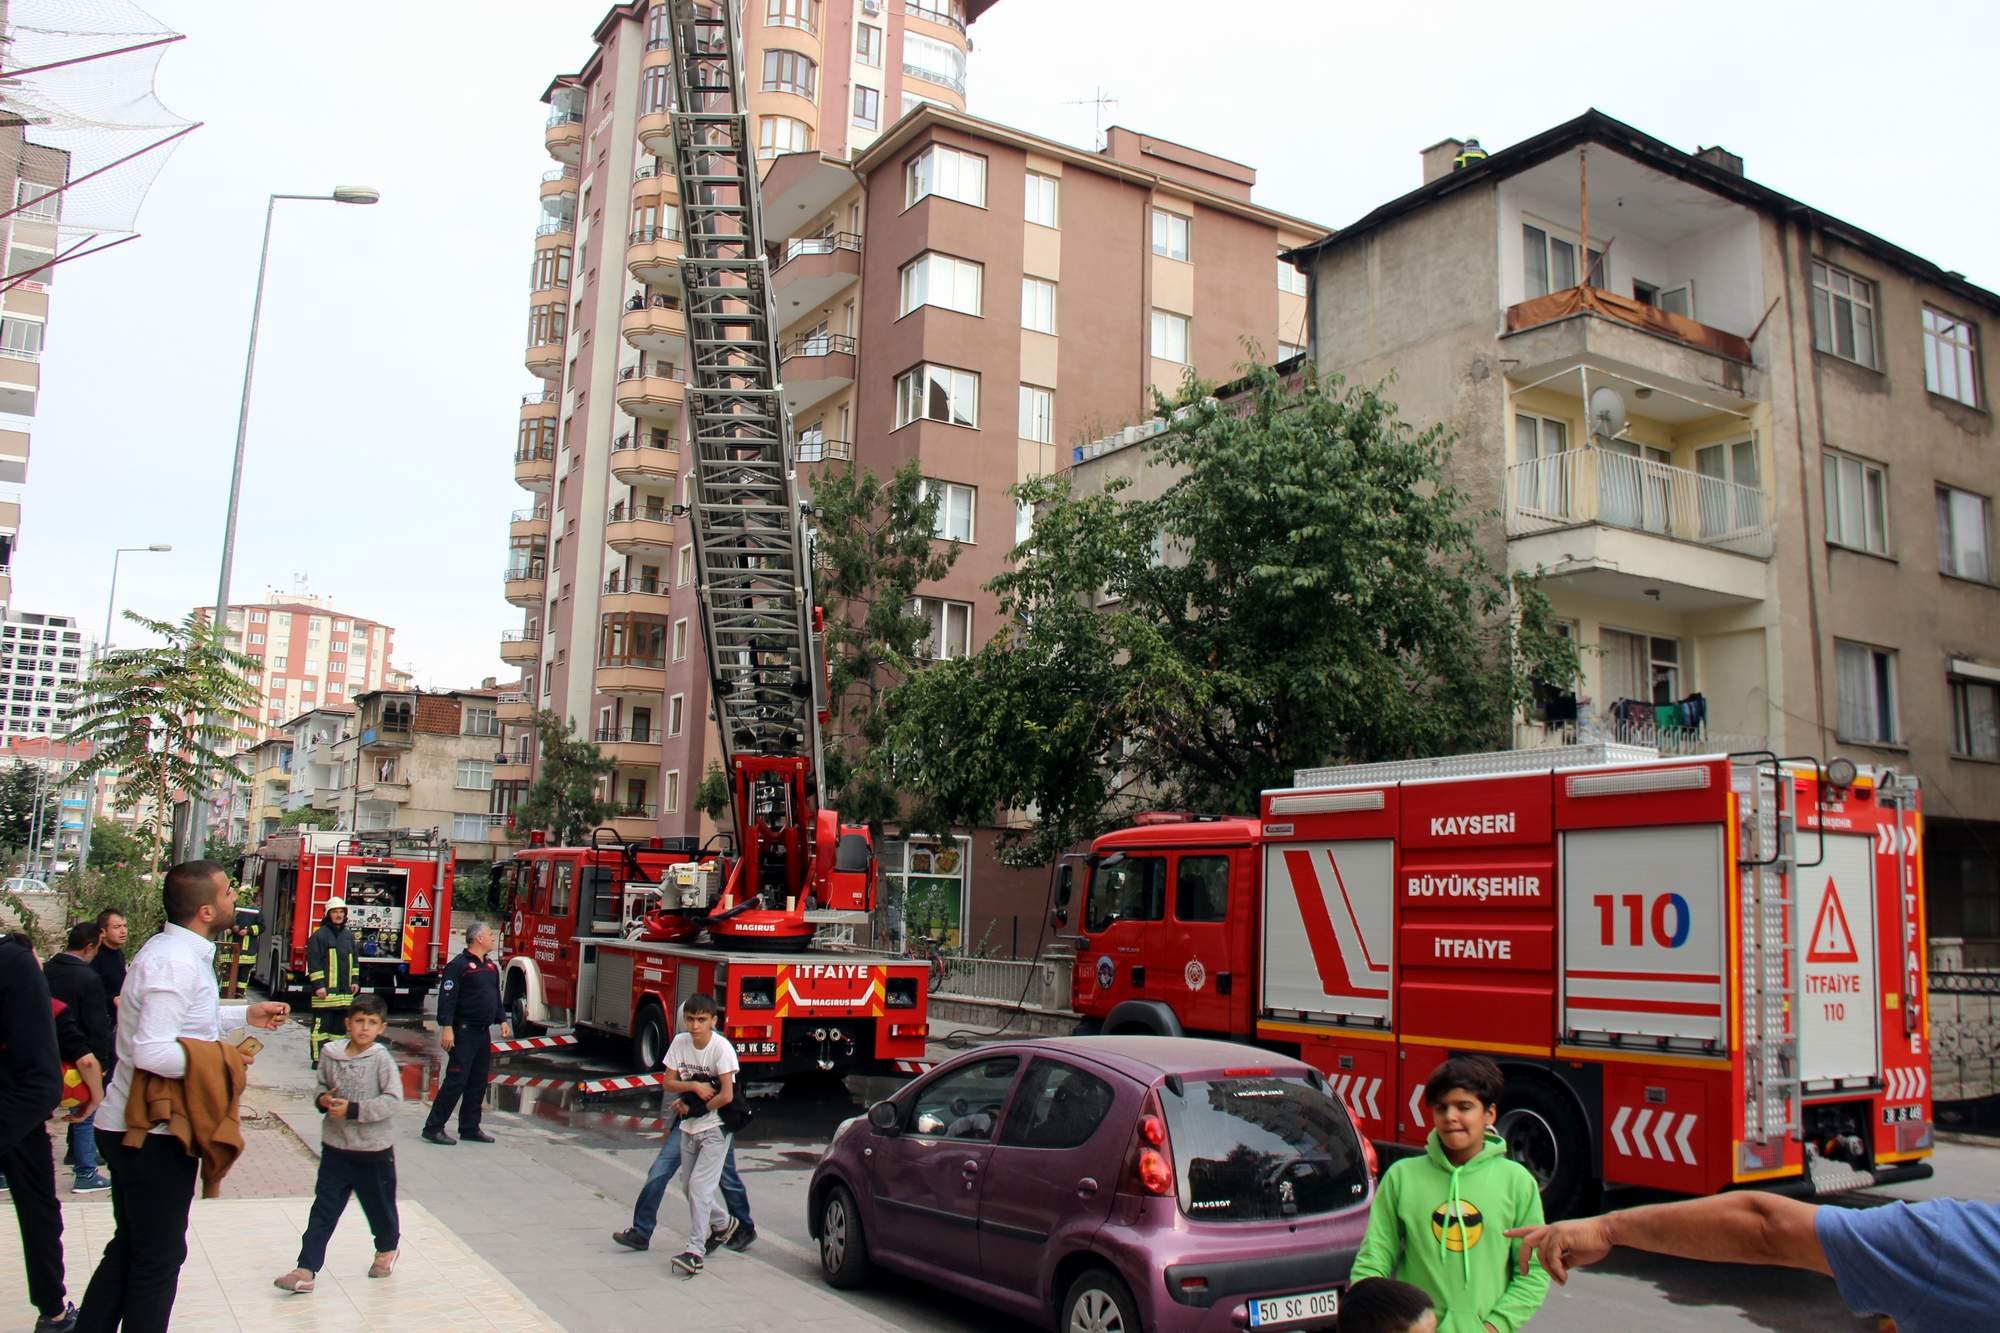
column 170, row 993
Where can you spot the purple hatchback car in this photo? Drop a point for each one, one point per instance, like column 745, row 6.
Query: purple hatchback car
column 1106, row 1185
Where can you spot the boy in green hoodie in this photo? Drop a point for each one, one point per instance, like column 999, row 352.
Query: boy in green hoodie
column 1437, row 1219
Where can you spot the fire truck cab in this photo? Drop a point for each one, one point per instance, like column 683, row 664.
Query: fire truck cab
column 398, row 888
column 1697, row 972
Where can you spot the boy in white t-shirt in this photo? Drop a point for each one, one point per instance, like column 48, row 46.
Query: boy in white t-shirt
column 703, row 1069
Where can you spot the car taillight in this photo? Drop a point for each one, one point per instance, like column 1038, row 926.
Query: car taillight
column 1155, row 1175
column 1153, row 1130
column 1150, row 1169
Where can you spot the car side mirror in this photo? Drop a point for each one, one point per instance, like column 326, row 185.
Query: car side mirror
column 885, row 1118
column 1065, row 884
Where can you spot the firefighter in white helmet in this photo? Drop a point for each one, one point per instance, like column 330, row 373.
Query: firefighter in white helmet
column 331, row 972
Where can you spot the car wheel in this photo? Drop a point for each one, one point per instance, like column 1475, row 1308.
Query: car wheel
column 1098, row 1303
column 843, row 1250
column 649, row 1039
column 1545, row 1134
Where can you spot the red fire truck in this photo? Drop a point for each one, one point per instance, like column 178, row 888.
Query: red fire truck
column 1697, row 972
column 577, row 952
column 397, row 885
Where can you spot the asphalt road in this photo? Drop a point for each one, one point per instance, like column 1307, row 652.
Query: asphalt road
column 606, row 1145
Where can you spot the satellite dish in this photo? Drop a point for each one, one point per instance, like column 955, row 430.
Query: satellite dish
column 1607, row 412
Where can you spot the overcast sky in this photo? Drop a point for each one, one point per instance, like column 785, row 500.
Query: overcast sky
column 389, row 373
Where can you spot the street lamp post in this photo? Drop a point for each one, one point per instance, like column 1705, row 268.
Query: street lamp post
column 343, row 194
column 103, row 647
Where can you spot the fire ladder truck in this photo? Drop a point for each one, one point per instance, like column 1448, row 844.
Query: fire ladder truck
column 611, row 937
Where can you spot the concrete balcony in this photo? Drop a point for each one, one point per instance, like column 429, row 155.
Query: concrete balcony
column 13, row 456
column 817, row 367
column 529, row 524
column 564, row 136
column 800, row 187
column 526, row 584
column 636, row 459
column 559, row 182
column 513, row 766
column 656, row 132
column 656, row 188
column 535, row 468
column 20, row 382
column 649, row 396
column 632, row 676
column 1616, row 526
column 643, row 531
column 653, row 255
column 655, row 324
column 514, row 706
column 386, row 793
column 545, row 359
column 945, row 19
column 638, row 748
column 642, row 595
column 518, row 648
column 812, row 271
column 636, row 823
column 543, row 406
column 1667, row 740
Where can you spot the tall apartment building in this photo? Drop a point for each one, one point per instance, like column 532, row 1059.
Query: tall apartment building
column 42, row 661
column 56, row 762
column 30, row 177
column 1748, row 447
column 308, row 655
column 1081, row 281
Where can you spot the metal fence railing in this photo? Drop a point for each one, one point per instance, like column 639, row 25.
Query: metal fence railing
column 1598, row 486
column 1038, row 983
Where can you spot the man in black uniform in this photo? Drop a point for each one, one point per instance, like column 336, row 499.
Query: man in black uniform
column 30, row 1087
column 109, row 962
column 468, row 1005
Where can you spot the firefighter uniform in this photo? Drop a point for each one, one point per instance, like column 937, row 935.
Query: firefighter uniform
column 246, row 937
column 331, row 966
column 468, row 1005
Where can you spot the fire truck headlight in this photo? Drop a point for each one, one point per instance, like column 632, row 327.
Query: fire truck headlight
column 758, row 993
column 900, row 993
column 1841, row 772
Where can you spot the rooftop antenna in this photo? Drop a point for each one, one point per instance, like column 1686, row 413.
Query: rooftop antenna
column 1099, row 102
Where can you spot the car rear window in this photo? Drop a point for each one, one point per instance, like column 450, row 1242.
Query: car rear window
column 1257, row 1148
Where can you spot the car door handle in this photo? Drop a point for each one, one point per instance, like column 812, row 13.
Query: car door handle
column 971, row 1168
column 1086, row 1187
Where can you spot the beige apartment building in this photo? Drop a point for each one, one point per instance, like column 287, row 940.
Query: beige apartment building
column 32, row 177
column 308, row 655
column 426, row 761
column 1748, row 447
column 269, row 766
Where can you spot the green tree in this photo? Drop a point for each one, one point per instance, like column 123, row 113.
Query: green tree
column 876, row 543
column 712, row 797
column 159, row 716
column 307, row 816
column 563, row 801
column 20, row 785
column 111, row 846
column 1309, row 590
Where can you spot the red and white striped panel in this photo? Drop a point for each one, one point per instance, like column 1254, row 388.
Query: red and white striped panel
column 629, row 1083
column 528, row 1081
column 912, row 1068
column 534, row 1043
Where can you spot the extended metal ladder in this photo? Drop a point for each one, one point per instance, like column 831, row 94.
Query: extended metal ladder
column 749, row 539
column 1766, row 863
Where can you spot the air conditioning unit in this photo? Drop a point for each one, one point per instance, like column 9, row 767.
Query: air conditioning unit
column 871, row 6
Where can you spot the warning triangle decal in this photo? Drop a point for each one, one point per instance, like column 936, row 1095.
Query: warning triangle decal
column 1832, row 937
column 422, row 903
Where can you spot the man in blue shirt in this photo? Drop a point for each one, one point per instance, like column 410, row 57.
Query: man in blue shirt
column 1928, row 1266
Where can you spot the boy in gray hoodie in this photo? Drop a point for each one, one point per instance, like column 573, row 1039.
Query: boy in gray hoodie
column 359, row 1089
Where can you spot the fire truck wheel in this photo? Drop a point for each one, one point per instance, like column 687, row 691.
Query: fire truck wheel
column 649, row 1039
column 1545, row 1133
column 843, row 1250
column 517, row 1012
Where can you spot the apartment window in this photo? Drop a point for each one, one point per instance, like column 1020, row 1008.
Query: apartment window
column 547, row 324
column 22, row 262
column 1549, row 262
column 911, row 101
column 937, row 393
column 684, row 566
column 782, row 134
column 256, row 617
column 791, row 14
column 1866, row 682
column 950, row 623
column 676, row 713
column 1024, row 522
column 468, row 828
column 670, row 792
column 1975, row 718
column 482, row 722
column 867, row 107
column 1964, row 534
column 868, row 45
column 336, row 668
column 1038, row 305
column 1170, row 234
column 946, row 171
column 1286, row 351
column 954, row 511
column 655, row 90
column 1170, row 336
column 1843, row 309
column 1951, row 357
column 336, row 688
column 256, row 638
column 21, row 337
column 475, row 775
column 36, row 200
column 1040, row 205
column 278, row 663
column 1291, row 279
column 942, row 280
column 680, row 640
column 934, row 62
column 790, row 72
column 1857, row 503
column 1038, row 411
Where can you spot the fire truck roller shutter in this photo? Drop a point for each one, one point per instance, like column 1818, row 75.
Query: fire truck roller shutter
column 1143, row 1018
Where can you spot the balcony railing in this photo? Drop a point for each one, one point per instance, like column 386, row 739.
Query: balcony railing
column 635, row 735
column 647, row 235
column 559, row 173
column 820, row 245
column 628, row 810
column 1581, row 486
column 562, row 117
column 1667, row 740
column 537, row 399
column 817, row 344
column 517, row 756
column 657, row 586
column 943, row 80
column 652, row 513
column 519, row 636
column 535, row 453
column 648, row 662
column 625, row 441
column 554, row 226
column 533, row 569
column 658, row 300
column 528, row 515
column 933, row 14
column 642, row 371
column 815, row 450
